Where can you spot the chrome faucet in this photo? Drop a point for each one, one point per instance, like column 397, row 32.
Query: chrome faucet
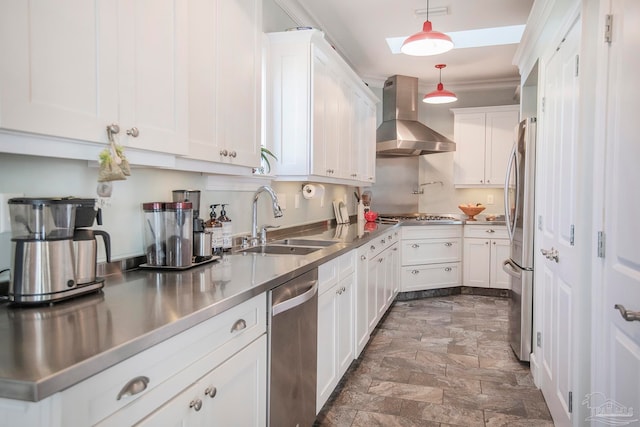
column 277, row 212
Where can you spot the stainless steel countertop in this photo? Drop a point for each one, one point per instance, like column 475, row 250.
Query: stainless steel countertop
column 46, row 349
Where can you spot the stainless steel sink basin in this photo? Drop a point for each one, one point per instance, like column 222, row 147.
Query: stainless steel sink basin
column 304, row 242
column 281, row 250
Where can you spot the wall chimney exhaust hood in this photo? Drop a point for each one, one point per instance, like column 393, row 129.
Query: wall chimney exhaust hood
column 401, row 134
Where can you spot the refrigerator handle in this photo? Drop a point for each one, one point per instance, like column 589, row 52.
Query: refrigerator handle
column 507, row 214
column 511, row 269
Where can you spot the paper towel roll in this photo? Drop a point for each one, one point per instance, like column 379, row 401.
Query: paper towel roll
column 310, row 191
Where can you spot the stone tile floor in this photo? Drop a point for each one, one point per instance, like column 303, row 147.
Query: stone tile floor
column 442, row 361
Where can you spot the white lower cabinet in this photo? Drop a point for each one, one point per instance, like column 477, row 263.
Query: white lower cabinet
column 335, row 323
column 485, row 249
column 430, row 257
column 233, row 394
column 157, row 385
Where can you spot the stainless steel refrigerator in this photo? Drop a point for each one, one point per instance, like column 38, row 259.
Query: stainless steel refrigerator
column 519, row 214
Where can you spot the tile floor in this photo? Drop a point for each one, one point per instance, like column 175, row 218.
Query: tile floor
column 440, row 362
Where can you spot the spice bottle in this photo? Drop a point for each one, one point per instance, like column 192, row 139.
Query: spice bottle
column 227, row 232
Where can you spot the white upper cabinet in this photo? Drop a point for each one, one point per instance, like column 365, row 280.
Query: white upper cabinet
column 70, row 69
column 225, row 44
column 484, row 137
column 322, row 116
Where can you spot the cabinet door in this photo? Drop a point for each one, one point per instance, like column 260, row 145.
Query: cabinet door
column 345, row 131
column 361, row 297
column 393, row 271
column 153, row 60
column 500, row 135
column 500, row 251
column 477, row 256
column 381, row 283
column 432, row 276
column 224, row 54
column 345, row 324
column 238, row 85
column 469, row 130
column 327, row 370
column 321, row 84
column 239, row 380
column 59, row 67
column 373, row 272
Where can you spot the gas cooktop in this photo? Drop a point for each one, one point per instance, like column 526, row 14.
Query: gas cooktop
column 419, row 218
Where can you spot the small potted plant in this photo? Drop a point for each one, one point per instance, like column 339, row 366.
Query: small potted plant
column 265, row 167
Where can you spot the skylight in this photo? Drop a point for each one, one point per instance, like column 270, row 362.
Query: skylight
column 473, row 38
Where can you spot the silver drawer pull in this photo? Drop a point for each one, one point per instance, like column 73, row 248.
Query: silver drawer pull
column 362, row 257
column 491, row 230
column 415, row 245
column 224, row 153
column 447, row 269
column 134, row 132
column 382, row 241
column 133, row 387
column 415, row 271
column 629, row 316
column 196, row 404
column 239, row 325
column 395, row 249
column 211, row 392
column 373, row 248
column 380, row 259
column 448, row 244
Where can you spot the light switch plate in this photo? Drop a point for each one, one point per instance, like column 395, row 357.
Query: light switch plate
column 490, row 199
column 5, row 219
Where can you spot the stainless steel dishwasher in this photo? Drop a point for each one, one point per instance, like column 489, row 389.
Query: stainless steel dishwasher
column 293, row 352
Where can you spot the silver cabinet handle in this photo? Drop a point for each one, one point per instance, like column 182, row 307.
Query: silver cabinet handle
column 380, row 259
column 362, row 257
column 224, row 153
column 373, row 248
column 238, row 325
column 232, row 154
column 196, row 404
column 491, row 230
column 415, row 271
column 415, row 245
column 494, row 243
column 448, row 244
column 447, row 269
column 629, row 316
column 389, row 237
column 551, row 254
column 395, row 249
column 133, row 387
column 134, row 132
column 382, row 241
column 211, row 392
column 486, row 242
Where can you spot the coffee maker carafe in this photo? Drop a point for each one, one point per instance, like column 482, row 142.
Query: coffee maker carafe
column 85, row 246
column 202, row 247
column 44, row 252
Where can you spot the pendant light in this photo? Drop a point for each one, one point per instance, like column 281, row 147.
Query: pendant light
column 427, row 42
column 440, row 95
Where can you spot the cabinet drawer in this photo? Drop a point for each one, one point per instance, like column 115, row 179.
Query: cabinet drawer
column 328, row 275
column 412, row 232
column 432, row 276
column 431, row 251
column 346, row 264
column 168, row 367
column 486, row 231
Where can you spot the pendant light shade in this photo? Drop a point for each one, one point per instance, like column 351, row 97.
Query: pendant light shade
column 427, row 42
column 440, row 95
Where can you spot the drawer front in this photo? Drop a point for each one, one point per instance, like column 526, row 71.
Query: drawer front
column 413, row 232
column 486, row 231
column 347, row 264
column 435, row 276
column 227, row 332
column 431, row 251
column 328, row 275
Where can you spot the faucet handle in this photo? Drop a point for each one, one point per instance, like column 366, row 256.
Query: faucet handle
column 263, row 232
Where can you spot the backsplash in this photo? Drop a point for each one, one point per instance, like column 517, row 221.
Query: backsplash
column 49, row 177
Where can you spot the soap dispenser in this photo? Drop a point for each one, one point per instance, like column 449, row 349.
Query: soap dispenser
column 215, row 227
column 227, row 232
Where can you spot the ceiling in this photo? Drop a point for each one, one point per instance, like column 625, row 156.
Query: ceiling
column 358, row 28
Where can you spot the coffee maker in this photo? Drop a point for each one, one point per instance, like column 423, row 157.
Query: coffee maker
column 52, row 257
column 202, row 240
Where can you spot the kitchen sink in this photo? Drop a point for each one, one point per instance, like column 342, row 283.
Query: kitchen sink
column 304, row 242
column 282, row 249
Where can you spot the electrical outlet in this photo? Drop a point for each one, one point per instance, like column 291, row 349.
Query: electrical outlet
column 5, row 219
column 490, row 199
column 282, row 200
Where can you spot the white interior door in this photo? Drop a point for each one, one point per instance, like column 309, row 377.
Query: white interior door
column 555, row 274
column 617, row 368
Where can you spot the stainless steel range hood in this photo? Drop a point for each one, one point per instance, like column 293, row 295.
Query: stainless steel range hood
column 401, row 134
